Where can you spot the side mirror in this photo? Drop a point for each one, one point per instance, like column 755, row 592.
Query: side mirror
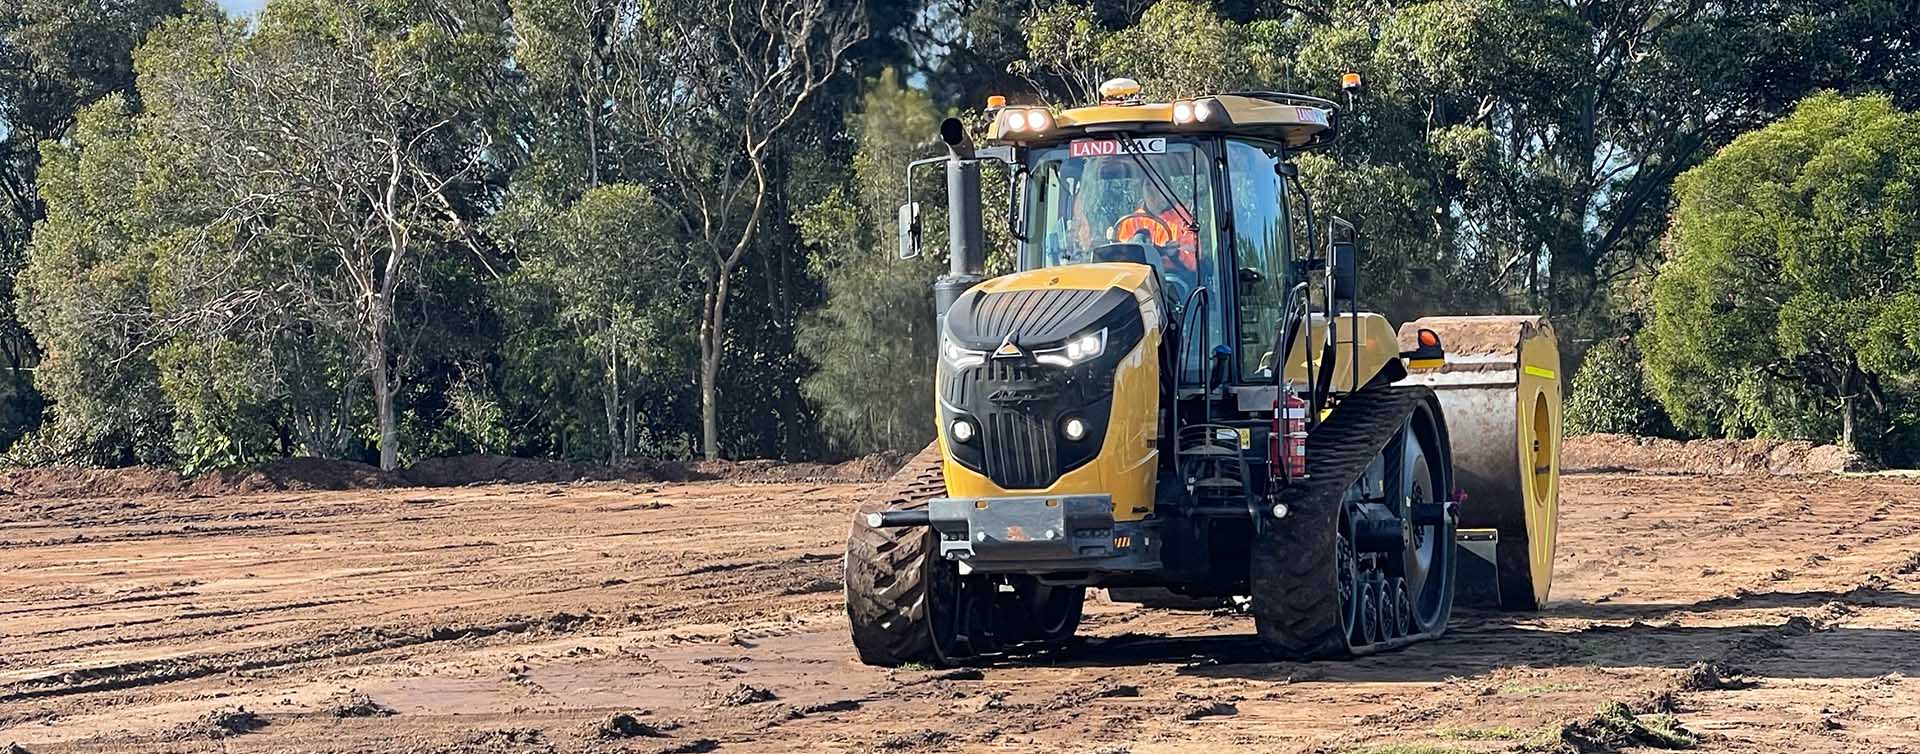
column 909, row 230
column 1343, row 268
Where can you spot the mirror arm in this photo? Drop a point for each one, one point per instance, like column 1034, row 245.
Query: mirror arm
column 911, row 211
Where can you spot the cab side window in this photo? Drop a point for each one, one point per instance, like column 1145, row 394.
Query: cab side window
column 1261, row 241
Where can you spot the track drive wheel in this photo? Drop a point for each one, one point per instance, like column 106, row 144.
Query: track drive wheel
column 1425, row 565
column 904, row 601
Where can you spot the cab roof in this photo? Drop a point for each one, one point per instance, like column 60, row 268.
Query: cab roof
column 1295, row 120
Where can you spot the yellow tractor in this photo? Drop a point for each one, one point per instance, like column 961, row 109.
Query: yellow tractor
column 1176, row 397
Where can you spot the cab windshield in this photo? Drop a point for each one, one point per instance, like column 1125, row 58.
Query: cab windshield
column 1096, row 200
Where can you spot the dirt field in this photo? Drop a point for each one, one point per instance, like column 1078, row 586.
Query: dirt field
column 1768, row 613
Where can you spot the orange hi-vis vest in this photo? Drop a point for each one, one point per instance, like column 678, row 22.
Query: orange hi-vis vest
column 1171, row 225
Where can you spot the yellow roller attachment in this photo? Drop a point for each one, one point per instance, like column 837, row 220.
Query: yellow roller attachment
column 1500, row 396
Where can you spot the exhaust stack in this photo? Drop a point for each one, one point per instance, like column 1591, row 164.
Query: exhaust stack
column 966, row 235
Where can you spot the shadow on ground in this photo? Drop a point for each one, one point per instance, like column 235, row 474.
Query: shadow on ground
column 1479, row 642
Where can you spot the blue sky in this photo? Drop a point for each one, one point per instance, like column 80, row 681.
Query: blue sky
column 242, row 6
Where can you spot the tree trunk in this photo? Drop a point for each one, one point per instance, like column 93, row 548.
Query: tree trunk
column 713, row 320
column 1846, row 422
column 383, row 389
column 631, row 413
column 712, row 338
column 610, row 403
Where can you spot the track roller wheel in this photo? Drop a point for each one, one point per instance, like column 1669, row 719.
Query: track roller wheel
column 1402, row 622
column 1370, row 618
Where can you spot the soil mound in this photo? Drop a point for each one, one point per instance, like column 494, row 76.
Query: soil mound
column 74, row 481
column 1609, row 452
column 873, row 468
column 326, row 474
column 489, row 468
column 293, row 474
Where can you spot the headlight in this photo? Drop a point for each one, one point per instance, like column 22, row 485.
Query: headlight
column 960, row 358
column 1074, row 428
column 1025, row 120
column 1080, row 349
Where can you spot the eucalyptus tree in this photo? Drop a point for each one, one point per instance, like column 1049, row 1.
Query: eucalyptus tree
column 323, row 154
column 598, row 296
column 719, row 85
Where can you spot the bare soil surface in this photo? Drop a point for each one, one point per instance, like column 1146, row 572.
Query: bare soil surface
column 1767, row 614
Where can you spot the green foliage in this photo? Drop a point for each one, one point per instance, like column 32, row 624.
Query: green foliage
column 1175, row 48
column 84, row 294
column 598, row 305
column 1791, row 296
column 56, row 57
column 874, row 340
column 1609, row 394
column 219, row 277
column 224, row 268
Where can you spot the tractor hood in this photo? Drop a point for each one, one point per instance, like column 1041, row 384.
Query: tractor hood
column 1045, row 308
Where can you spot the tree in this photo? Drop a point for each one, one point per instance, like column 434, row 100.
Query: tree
column 874, row 340
column 56, row 57
column 1609, row 394
column 1790, row 305
column 1506, row 153
column 85, row 293
column 720, row 85
column 597, row 279
column 1553, row 131
column 289, row 183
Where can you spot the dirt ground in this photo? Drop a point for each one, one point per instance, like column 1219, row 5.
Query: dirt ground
column 1765, row 613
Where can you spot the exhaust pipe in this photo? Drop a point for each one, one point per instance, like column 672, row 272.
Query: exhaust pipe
column 966, row 234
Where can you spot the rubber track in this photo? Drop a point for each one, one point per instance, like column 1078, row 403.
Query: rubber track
column 886, row 569
column 1295, row 580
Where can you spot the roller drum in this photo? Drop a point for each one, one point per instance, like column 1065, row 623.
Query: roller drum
column 1500, row 393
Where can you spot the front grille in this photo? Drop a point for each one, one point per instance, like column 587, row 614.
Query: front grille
column 1017, row 404
column 1021, row 453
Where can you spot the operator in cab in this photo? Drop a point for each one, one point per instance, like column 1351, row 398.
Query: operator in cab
column 1158, row 222
column 1117, row 214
